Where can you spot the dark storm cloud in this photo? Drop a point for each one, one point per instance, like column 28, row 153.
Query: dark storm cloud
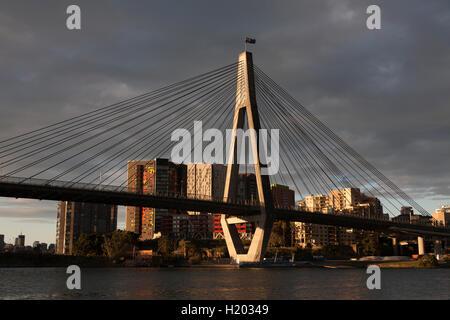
column 385, row 92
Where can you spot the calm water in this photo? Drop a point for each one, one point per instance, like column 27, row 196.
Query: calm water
column 213, row 283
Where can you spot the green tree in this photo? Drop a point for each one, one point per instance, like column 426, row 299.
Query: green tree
column 337, row 251
column 369, row 246
column 281, row 234
column 277, row 235
column 88, row 245
column 165, row 246
column 191, row 248
column 195, row 259
column 182, row 246
column 385, row 246
column 222, row 252
column 118, row 243
column 428, row 261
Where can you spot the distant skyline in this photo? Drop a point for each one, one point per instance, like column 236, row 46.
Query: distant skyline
column 385, row 92
column 37, row 220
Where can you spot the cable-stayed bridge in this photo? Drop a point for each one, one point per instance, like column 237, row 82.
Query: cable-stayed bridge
column 85, row 158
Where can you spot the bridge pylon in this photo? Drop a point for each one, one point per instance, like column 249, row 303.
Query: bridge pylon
column 246, row 105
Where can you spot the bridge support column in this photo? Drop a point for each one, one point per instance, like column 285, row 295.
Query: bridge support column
column 232, row 238
column 420, row 246
column 246, row 106
column 395, row 246
column 438, row 248
column 258, row 245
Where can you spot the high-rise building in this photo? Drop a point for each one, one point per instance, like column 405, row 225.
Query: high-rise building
column 442, row 216
column 317, row 203
column 2, row 241
column 407, row 216
column 345, row 201
column 205, row 180
column 353, row 201
column 283, row 197
column 406, row 211
column 247, row 190
column 157, row 176
column 20, row 241
column 344, row 198
column 75, row 218
column 404, row 216
column 199, row 226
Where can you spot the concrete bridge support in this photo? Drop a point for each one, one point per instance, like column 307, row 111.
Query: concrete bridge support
column 246, row 106
column 438, row 249
column 420, row 246
column 395, row 246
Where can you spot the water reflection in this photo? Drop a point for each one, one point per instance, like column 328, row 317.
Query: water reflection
column 217, row 283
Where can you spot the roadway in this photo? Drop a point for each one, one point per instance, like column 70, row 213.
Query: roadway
column 57, row 190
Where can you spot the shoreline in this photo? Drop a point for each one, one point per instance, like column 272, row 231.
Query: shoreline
column 9, row 260
column 326, row 264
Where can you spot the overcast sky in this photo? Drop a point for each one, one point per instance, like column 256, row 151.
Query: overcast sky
column 385, row 92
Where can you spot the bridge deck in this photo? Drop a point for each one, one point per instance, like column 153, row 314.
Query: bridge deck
column 55, row 190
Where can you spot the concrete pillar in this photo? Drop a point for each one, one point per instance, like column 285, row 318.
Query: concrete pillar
column 420, row 245
column 395, row 246
column 246, row 106
column 232, row 238
column 438, row 248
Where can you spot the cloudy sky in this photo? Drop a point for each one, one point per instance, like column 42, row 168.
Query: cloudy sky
column 386, row 92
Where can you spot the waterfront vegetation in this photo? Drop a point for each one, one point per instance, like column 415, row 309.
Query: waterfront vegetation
column 29, row 259
column 122, row 248
column 118, row 248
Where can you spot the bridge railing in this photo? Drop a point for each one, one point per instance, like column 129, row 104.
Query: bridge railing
column 196, row 196
column 113, row 188
column 61, row 184
column 425, row 222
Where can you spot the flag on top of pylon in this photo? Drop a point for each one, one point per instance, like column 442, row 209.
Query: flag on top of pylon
column 250, row 40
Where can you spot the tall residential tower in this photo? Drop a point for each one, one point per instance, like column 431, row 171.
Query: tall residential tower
column 157, row 176
column 75, row 218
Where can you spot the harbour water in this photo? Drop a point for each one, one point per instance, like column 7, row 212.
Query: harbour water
column 223, row 283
